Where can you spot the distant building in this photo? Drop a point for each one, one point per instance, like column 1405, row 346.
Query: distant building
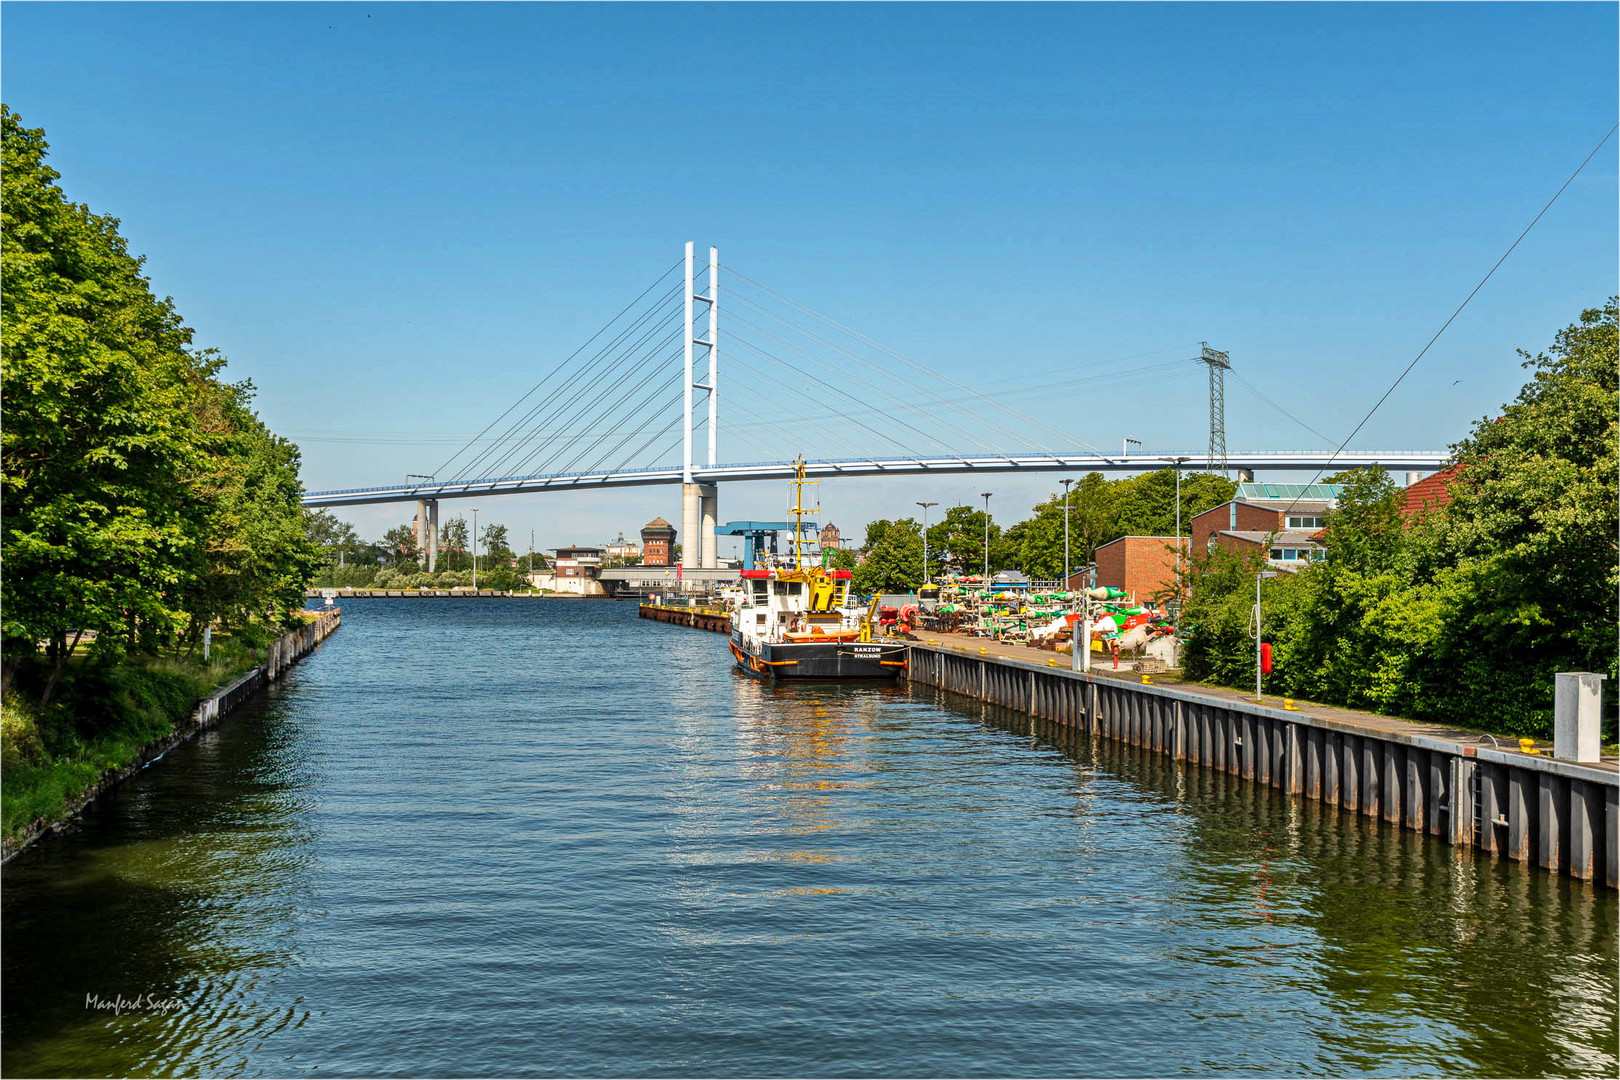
column 1144, row 566
column 1286, row 519
column 657, row 543
column 622, row 550
column 830, row 537
column 573, row 570
column 576, row 562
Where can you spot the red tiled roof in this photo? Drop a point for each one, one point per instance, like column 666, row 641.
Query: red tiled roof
column 1430, row 493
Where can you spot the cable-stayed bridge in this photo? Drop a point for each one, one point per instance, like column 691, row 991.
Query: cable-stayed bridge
column 633, row 404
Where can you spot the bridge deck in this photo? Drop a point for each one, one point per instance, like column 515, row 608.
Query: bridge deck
column 1268, row 461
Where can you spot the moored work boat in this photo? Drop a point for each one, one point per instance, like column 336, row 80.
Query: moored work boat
column 798, row 621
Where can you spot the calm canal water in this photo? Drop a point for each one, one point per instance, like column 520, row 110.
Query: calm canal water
column 550, row 838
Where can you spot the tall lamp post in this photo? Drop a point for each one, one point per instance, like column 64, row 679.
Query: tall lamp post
column 1257, row 634
column 925, row 506
column 1179, row 568
column 475, row 548
column 1066, row 484
column 986, row 495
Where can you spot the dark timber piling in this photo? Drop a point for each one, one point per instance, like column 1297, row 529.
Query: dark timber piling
column 702, row 618
column 1557, row 815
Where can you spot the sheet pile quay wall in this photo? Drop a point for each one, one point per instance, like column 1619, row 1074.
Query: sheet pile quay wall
column 1538, row 811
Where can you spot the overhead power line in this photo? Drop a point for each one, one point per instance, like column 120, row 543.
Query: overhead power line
column 1488, row 275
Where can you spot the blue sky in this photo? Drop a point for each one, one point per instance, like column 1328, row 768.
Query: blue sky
column 393, row 218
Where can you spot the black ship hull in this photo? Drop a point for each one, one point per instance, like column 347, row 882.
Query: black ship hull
column 821, row 660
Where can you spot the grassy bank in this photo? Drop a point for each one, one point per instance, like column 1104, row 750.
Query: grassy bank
column 101, row 717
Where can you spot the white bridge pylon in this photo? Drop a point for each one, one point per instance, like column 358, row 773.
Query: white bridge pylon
column 1267, row 461
column 700, row 502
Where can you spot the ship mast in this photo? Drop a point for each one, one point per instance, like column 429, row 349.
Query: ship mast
column 798, row 511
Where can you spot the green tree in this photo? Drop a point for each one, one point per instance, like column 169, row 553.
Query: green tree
column 454, row 545
column 494, row 544
column 399, row 545
column 143, row 499
column 256, row 555
column 334, row 536
column 98, row 441
column 893, row 557
column 957, row 541
column 1145, row 505
column 842, row 559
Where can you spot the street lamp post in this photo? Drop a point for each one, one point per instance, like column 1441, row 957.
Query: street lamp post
column 925, row 506
column 986, row 495
column 1179, row 568
column 475, row 548
column 1257, row 633
column 1066, row 484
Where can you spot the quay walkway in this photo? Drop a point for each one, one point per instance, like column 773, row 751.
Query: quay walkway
column 1469, row 789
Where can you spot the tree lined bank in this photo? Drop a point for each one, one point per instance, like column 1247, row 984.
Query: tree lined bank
column 144, row 502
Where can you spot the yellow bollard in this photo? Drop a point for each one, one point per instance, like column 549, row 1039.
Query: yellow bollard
column 1051, row 663
column 982, row 650
column 1288, row 703
column 1528, row 746
column 1147, row 680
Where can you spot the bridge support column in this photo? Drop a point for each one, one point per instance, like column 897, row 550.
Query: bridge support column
column 420, row 532
column 433, row 536
column 691, row 536
column 708, row 511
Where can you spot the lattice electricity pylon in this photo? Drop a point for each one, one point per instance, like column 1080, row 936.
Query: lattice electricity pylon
column 1219, row 363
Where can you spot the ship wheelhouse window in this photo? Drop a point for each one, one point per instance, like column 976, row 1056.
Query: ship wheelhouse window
column 762, row 589
column 789, row 588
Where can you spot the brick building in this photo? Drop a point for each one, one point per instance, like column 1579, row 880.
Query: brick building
column 1286, row 518
column 830, row 537
column 1144, row 566
column 657, row 543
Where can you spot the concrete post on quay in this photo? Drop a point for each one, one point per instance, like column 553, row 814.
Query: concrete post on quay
column 1577, row 708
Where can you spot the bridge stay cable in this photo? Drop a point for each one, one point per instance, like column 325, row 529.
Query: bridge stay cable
column 513, row 443
column 883, row 392
column 880, row 433
column 513, row 439
column 600, row 331
column 603, row 360
column 974, row 420
column 896, row 354
column 766, row 406
column 654, row 396
column 583, row 407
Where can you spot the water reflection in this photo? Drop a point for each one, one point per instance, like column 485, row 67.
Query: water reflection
column 1447, row 961
column 554, row 839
